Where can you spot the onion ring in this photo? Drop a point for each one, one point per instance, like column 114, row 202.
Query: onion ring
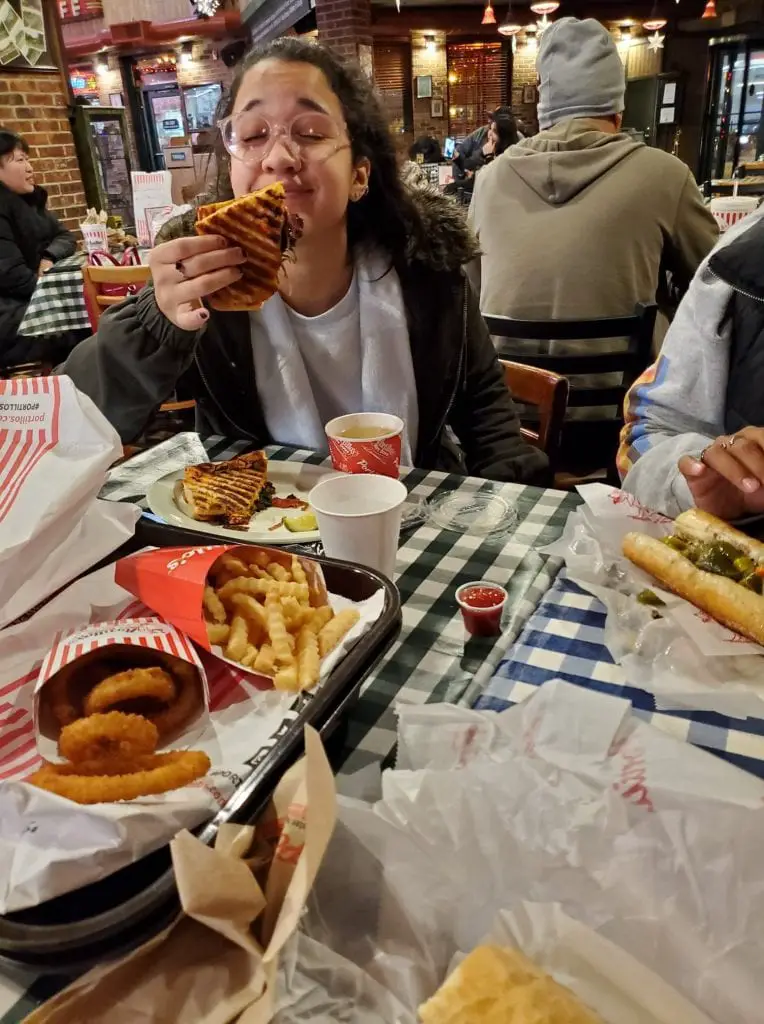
column 61, row 705
column 131, row 684
column 152, row 774
column 178, row 713
column 111, row 735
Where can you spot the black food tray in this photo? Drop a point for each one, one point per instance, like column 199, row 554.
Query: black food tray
column 107, row 918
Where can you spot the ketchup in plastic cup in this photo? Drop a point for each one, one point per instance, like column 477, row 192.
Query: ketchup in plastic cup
column 482, row 605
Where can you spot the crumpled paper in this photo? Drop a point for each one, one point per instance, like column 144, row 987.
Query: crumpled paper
column 685, row 658
column 586, row 826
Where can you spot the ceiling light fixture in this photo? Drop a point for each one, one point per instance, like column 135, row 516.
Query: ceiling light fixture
column 544, row 7
column 542, row 25
column 710, row 10
column 655, row 42
column 489, row 17
column 509, row 27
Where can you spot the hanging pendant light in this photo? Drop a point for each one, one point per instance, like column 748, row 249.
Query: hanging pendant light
column 489, row 18
column 542, row 25
column 509, row 27
column 544, row 7
column 655, row 22
column 709, row 10
column 655, row 42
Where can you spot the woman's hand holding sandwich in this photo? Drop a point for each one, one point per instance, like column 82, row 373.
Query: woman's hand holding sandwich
column 186, row 270
column 727, row 479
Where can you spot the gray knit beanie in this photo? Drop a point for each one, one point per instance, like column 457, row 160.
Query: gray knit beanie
column 580, row 72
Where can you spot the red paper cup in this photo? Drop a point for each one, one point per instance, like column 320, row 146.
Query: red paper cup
column 358, row 454
column 482, row 605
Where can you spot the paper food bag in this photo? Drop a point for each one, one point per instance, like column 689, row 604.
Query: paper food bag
column 55, row 448
column 81, row 657
column 242, row 902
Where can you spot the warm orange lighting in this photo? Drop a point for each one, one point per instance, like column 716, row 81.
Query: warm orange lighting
column 654, row 24
column 489, row 18
column 710, row 10
column 545, row 7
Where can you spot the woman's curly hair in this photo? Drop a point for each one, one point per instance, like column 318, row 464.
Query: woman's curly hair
column 383, row 218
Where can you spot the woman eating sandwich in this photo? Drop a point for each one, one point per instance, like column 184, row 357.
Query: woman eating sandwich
column 372, row 313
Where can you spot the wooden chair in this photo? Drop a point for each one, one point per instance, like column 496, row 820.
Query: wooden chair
column 548, row 392
column 36, row 369
column 587, row 445
column 95, row 300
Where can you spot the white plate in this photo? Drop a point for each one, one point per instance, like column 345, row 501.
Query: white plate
column 298, row 478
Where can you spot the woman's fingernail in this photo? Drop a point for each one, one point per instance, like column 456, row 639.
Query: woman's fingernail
column 750, row 484
column 203, row 314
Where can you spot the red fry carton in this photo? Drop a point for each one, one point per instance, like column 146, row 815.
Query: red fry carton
column 80, row 658
column 171, row 581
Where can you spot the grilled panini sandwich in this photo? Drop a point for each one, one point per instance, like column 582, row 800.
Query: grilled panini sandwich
column 260, row 225
column 228, row 492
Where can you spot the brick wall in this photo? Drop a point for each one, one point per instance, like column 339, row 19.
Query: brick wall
column 34, row 105
column 430, row 60
column 204, row 71
column 343, row 24
column 524, row 74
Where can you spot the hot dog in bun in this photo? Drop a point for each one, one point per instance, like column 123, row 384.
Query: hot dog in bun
column 711, row 564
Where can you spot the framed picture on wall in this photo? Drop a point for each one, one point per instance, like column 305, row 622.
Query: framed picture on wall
column 529, row 94
column 424, row 87
column 436, row 108
column 25, row 33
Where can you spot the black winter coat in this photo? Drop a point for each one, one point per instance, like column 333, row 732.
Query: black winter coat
column 28, row 234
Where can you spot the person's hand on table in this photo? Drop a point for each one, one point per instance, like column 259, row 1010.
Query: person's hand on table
column 727, row 479
column 186, row 270
column 44, row 267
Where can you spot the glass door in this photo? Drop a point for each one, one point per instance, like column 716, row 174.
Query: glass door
column 167, row 118
column 735, row 127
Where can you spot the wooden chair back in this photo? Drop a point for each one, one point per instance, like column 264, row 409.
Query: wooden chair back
column 597, row 439
column 95, row 277
column 36, row 369
column 547, row 392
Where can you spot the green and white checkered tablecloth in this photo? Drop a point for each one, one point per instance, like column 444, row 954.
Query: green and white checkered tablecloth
column 431, row 661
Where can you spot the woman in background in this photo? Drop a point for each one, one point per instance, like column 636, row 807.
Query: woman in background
column 31, row 241
column 502, row 133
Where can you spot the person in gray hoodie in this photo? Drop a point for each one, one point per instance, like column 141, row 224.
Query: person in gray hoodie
column 694, row 433
column 580, row 220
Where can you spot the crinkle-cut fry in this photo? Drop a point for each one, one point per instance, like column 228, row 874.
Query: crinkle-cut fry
column 249, row 608
column 238, row 639
column 308, row 659
column 213, row 606
column 152, row 774
column 278, row 572
column 233, row 565
column 333, row 632
column 277, row 631
column 249, row 658
column 262, row 588
column 217, row 634
column 298, row 572
column 294, row 613
column 318, row 618
column 286, row 679
column 264, row 661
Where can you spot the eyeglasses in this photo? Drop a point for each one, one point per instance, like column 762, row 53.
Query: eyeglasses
column 311, row 137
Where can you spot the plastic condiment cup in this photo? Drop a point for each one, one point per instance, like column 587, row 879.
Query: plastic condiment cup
column 482, row 605
column 379, row 455
column 359, row 518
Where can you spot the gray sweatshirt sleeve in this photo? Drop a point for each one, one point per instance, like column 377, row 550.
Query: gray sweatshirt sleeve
column 133, row 362
column 677, row 406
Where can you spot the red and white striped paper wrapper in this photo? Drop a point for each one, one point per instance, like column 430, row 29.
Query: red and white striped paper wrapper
column 149, row 633
column 30, row 410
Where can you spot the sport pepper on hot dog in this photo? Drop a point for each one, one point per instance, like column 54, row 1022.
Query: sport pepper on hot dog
column 709, row 563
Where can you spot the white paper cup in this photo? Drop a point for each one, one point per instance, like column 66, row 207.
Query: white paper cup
column 96, row 237
column 359, row 518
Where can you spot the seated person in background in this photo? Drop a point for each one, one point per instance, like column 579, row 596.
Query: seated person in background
column 31, row 241
column 694, row 431
column 428, row 148
column 502, row 133
column 468, row 153
column 373, row 313
column 578, row 221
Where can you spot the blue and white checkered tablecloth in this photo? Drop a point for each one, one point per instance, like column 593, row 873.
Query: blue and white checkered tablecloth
column 565, row 639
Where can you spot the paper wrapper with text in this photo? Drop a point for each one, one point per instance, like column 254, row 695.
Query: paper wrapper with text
column 106, row 648
column 242, row 902
column 684, row 657
column 171, row 581
column 55, row 448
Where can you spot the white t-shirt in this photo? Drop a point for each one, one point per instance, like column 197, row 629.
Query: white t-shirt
column 330, row 346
